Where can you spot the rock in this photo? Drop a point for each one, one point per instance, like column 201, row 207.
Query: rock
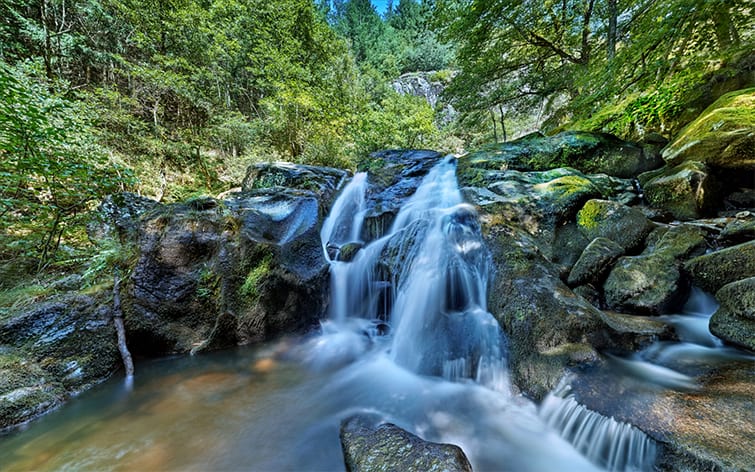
column 642, row 284
column 393, row 175
column 117, row 217
column 626, row 226
column 723, row 136
column 244, row 270
column 537, row 311
column 323, row 181
column 588, row 152
column 652, row 283
column 430, row 86
column 685, row 190
column 739, row 298
column 595, row 262
column 348, row 251
column 733, row 329
column 734, row 321
column 53, row 350
column 710, row 157
column 387, row 447
column 740, row 229
column 712, row 271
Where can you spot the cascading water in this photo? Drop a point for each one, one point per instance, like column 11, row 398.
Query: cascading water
column 605, row 441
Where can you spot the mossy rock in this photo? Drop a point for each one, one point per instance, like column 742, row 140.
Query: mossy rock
column 26, row 390
column 645, row 284
column 324, row 181
column 722, row 136
column 626, row 226
column 741, row 229
column 739, row 298
column 595, row 262
column 386, row 447
column 585, row 151
column 678, row 243
column 733, row 329
column 712, row 271
column 686, row 191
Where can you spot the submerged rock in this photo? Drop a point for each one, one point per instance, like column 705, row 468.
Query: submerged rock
column 370, row 448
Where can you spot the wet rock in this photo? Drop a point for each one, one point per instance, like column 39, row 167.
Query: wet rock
column 51, row 351
column 645, row 284
column 686, row 191
column 117, row 217
column 712, row 271
column 626, row 226
column 652, row 282
column 740, row 229
column 323, row 181
column 588, row 152
column 244, row 270
column 386, row 447
column 537, row 311
column 393, row 175
column 348, row 251
column 734, row 321
column 595, row 262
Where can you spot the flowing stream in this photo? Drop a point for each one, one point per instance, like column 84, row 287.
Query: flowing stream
column 409, row 340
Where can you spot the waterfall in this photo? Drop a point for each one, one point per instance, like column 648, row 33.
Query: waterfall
column 612, row 444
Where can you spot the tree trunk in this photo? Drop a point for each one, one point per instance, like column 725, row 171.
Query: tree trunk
column 495, row 129
column 612, row 30
column 120, row 330
column 503, row 123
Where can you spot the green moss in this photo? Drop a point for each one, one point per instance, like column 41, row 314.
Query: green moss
column 590, row 215
column 208, row 283
column 250, row 286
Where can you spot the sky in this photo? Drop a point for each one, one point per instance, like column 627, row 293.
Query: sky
column 380, row 5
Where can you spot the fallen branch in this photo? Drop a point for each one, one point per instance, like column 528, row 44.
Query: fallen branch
column 128, row 363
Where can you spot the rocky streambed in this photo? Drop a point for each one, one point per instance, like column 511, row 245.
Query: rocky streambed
column 592, row 240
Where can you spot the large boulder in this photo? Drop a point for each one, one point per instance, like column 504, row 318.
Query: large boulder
column 588, row 152
column 652, row 282
column 712, row 271
column 624, row 225
column 370, row 448
column 51, row 351
column 211, row 274
column 734, row 321
column 323, row 181
column 712, row 157
column 595, row 262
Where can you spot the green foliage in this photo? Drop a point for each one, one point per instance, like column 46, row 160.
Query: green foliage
column 575, row 60
column 51, row 170
column 250, row 286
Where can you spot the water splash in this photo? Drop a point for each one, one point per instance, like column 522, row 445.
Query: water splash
column 612, row 444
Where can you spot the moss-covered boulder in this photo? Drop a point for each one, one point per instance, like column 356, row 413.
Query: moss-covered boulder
column 624, row 225
column 686, row 190
column 740, row 229
column 734, row 321
column 52, row 350
column 325, row 181
column 723, row 136
column 652, row 282
column 26, row 390
column 711, row 157
column 588, row 152
column 386, row 447
column 595, row 262
column 712, row 271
